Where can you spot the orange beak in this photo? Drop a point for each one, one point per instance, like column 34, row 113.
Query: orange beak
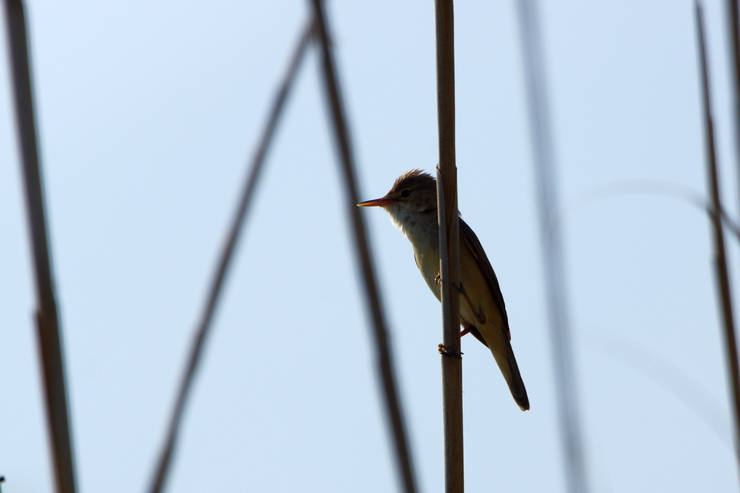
column 381, row 202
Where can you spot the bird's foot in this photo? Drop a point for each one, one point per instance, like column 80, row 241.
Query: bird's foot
column 447, row 351
column 464, row 331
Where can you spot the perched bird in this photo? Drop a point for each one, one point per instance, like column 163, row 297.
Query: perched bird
column 412, row 205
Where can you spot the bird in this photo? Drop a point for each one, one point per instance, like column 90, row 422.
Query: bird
column 412, row 206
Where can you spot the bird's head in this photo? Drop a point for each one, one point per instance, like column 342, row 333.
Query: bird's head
column 411, row 201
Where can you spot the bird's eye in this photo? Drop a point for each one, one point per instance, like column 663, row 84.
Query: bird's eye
column 405, row 193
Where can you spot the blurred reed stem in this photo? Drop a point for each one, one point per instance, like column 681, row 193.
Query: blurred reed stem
column 47, row 318
column 733, row 16
column 237, row 224
column 394, row 412
column 552, row 248
column 720, row 256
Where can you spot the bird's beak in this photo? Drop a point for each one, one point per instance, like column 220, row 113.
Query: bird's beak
column 381, row 202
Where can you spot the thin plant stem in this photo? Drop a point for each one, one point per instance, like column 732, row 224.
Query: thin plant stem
column 552, row 249
column 449, row 248
column 394, row 413
column 655, row 188
column 47, row 318
column 204, row 325
column 733, row 16
column 720, row 256
column 670, row 377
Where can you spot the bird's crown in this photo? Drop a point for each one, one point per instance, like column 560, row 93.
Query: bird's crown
column 415, row 178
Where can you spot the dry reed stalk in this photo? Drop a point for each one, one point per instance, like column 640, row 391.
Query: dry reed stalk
column 394, row 413
column 720, row 261
column 47, row 319
column 204, row 325
column 449, row 248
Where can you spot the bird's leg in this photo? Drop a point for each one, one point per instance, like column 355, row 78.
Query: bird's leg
column 446, row 350
column 438, row 280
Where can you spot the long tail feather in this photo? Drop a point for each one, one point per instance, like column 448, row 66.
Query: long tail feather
column 514, row 379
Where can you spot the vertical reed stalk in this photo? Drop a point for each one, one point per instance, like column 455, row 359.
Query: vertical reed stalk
column 449, row 247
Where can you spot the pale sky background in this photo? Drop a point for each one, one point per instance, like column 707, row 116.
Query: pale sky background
column 148, row 112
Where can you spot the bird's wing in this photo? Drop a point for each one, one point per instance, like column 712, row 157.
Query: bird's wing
column 470, row 241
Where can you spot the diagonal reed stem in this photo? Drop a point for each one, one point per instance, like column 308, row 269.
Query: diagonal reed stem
column 394, row 413
column 229, row 247
column 720, row 256
column 47, row 319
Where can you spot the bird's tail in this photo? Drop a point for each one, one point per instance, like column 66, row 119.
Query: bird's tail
column 511, row 373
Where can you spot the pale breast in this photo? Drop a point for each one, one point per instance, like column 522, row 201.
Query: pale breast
column 428, row 264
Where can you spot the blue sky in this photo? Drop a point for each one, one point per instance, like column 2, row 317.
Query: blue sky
column 148, row 112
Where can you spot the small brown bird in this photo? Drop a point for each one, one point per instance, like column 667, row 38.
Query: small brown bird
column 412, row 205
